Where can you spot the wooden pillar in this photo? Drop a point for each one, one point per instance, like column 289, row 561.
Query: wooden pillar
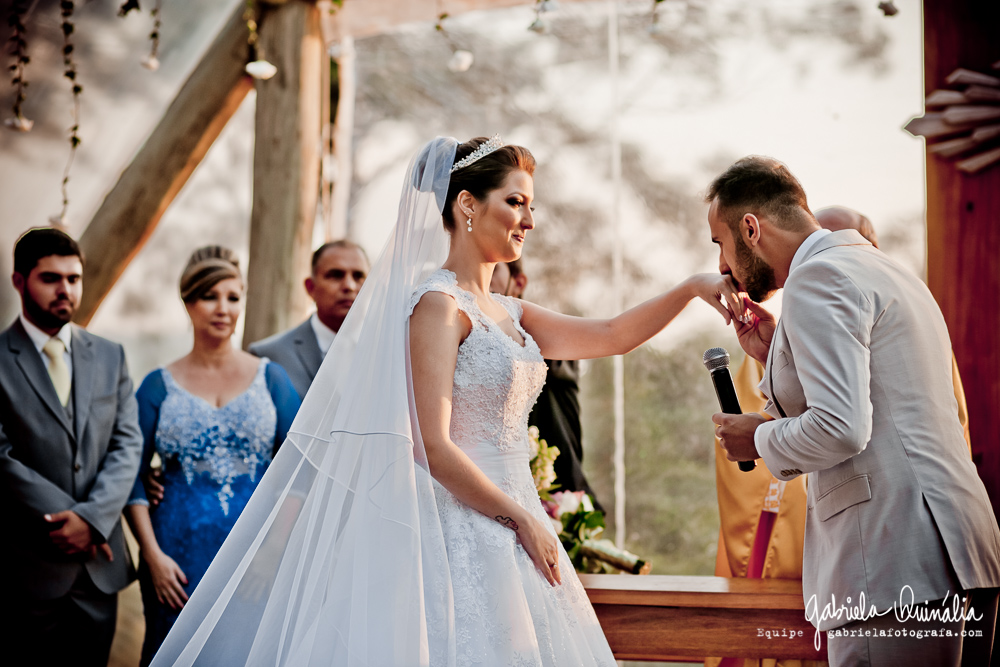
column 963, row 231
column 192, row 122
column 285, row 168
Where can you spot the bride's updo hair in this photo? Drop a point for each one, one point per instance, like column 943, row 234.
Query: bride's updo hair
column 485, row 174
column 206, row 268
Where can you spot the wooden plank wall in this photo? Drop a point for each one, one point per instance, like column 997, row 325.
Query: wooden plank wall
column 963, row 231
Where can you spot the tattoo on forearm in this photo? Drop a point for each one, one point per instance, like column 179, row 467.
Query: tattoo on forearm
column 507, row 521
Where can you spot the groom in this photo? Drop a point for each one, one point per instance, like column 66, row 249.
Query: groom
column 858, row 376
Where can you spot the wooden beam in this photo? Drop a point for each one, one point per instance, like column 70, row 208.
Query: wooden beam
column 963, row 231
column 285, row 168
column 131, row 210
column 669, row 618
column 364, row 18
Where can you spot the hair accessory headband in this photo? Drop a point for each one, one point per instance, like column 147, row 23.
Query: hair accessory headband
column 484, row 149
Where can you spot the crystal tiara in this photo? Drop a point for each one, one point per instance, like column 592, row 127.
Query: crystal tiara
column 484, row 149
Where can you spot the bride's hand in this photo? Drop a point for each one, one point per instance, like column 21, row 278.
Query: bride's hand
column 719, row 291
column 542, row 547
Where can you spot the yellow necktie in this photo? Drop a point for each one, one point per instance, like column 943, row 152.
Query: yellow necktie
column 58, row 370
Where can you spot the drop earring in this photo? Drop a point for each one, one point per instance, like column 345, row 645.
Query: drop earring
column 469, row 223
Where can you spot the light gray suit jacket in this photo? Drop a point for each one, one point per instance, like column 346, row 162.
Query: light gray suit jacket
column 48, row 464
column 860, row 381
column 295, row 350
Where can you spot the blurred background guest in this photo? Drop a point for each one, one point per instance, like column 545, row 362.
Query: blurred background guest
column 215, row 417
column 557, row 410
column 339, row 269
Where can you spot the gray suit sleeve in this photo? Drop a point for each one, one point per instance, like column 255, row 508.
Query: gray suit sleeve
column 828, row 322
column 118, row 471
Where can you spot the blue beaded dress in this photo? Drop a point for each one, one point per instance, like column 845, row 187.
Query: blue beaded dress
column 212, row 459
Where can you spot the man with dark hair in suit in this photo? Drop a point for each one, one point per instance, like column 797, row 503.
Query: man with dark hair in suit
column 339, row 269
column 69, row 454
column 858, row 373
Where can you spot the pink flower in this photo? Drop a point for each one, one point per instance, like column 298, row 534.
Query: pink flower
column 569, row 502
column 550, row 508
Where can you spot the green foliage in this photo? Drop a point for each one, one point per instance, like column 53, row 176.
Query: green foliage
column 671, row 505
column 579, row 527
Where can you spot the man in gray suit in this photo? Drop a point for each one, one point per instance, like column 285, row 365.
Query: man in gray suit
column 858, row 374
column 69, row 454
column 339, row 269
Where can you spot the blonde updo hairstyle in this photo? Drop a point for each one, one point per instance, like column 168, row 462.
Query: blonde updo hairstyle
column 206, row 268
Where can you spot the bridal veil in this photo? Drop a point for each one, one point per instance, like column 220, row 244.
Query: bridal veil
column 339, row 559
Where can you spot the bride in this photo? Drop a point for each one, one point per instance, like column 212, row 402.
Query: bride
column 399, row 523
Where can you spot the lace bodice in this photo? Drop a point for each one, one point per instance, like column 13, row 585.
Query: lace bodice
column 496, row 379
column 223, row 443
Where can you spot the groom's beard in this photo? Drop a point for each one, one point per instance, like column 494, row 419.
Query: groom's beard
column 758, row 280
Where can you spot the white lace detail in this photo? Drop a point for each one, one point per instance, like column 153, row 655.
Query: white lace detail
column 494, row 375
column 505, row 611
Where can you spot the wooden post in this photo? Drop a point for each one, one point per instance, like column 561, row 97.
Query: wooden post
column 131, row 211
column 963, row 231
column 285, row 168
column 343, row 144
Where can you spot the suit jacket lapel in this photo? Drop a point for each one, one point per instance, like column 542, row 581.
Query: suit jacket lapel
column 37, row 375
column 83, row 380
column 307, row 348
column 769, row 369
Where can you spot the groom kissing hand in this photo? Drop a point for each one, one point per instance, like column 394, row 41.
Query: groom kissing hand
column 858, row 374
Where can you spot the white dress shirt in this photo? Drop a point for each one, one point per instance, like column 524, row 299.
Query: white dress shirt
column 324, row 334
column 40, row 338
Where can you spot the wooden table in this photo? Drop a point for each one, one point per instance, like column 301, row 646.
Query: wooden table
column 659, row 617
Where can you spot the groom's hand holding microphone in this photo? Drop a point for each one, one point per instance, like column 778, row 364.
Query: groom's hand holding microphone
column 755, row 328
column 733, row 429
column 735, row 434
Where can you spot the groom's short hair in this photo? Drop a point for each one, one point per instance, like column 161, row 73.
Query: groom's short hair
column 762, row 186
column 41, row 242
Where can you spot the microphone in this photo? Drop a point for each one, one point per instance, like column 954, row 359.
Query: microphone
column 716, row 360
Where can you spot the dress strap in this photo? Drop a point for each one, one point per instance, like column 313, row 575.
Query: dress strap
column 511, row 305
column 444, row 281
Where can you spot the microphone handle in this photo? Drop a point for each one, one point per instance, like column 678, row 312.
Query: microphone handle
column 729, row 402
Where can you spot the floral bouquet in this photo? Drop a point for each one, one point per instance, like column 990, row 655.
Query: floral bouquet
column 543, row 459
column 579, row 526
column 577, row 523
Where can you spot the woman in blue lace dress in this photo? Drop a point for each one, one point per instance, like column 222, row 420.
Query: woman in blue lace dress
column 215, row 418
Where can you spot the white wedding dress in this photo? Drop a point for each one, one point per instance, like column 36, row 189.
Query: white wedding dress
column 505, row 612
column 349, row 553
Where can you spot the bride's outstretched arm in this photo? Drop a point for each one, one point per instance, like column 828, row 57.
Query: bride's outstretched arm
column 437, row 328
column 566, row 337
